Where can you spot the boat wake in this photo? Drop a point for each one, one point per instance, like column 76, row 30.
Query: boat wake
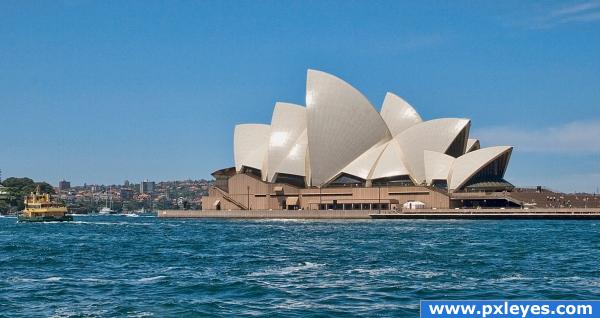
column 108, row 223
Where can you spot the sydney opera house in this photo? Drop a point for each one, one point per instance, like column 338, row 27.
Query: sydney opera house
column 338, row 152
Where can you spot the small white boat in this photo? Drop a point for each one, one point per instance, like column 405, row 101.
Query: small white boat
column 144, row 212
column 106, row 210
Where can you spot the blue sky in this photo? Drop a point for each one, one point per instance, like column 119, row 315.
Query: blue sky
column 103, row 91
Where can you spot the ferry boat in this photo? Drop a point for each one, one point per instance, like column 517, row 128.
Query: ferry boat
column 40, row 208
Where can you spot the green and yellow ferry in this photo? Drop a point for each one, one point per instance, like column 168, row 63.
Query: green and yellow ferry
column 40, row 208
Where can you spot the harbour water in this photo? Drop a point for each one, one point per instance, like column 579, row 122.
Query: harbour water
column 115, row 266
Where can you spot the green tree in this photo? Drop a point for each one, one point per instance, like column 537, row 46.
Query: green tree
column 45, row 187
column 19, row 184
column 3, row 206
column 20, row 187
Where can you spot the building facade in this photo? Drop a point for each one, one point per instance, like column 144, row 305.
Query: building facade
column 64, row 185
column 147, row 187
column 126, row 194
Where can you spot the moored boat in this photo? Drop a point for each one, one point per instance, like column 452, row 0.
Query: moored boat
column 107, row 209
column 144, row 212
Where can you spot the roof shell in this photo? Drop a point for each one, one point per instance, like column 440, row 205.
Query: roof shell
column 341, row 125
column 295, row 161
column 433, row 135
column 472, row 145
column 398, row 114
column 467, row 165
column 287, row 141
column 390, row 163
column 437, row 166
column 250, row 145
column 361, row 167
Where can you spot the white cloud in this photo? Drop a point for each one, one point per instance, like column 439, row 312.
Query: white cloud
column 545, row 18
column 588, row 17
column 574, row 137
column 574, row 9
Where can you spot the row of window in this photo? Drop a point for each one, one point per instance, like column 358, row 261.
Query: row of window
column 354, row 206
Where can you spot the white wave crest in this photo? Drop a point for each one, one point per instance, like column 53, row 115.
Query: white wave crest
column 36, row 280
column 374, row 271
column 424, row 274
column 288, row 270
column 110, row 223
column 151, row 279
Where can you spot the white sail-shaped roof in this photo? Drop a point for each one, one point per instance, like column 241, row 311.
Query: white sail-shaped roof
column 288, row 127
column 361, row 167
column 295, row 161
column 390, row 163
column 398, row 114
column 250, row 144
column 339, row 133
column 307, row 170
column 473, row 144
column 467, row 165
column 341, row 125
column 433, row 135
column 437, row 166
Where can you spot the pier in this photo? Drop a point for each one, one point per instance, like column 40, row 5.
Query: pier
column 495, row 214
column 267, row 214
column 482, row 214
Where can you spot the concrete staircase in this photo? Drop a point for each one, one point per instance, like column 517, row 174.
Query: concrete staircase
column 227, row 197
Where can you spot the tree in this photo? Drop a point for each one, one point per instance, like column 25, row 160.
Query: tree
column 3, row 206
column 19, row 184
column 45, row 187
column 18, row 188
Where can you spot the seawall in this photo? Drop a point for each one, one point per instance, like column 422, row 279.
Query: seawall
column 496, row 214
column 412, row 214
column 267, row 214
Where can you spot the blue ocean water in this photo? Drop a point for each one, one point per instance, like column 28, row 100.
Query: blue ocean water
column 148, row 267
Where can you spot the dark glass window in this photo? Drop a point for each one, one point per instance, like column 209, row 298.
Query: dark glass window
column 346, row 180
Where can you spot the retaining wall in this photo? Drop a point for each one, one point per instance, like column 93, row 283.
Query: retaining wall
column 360, row 214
